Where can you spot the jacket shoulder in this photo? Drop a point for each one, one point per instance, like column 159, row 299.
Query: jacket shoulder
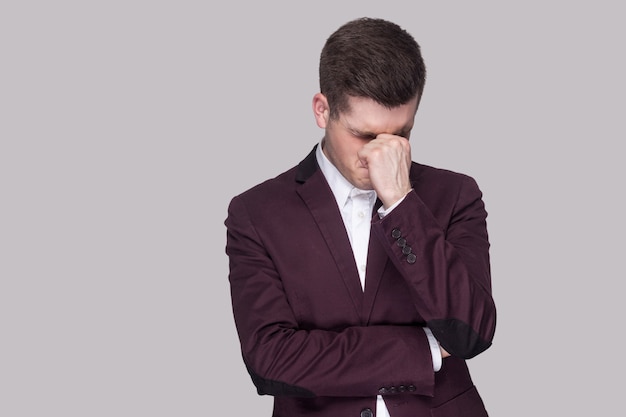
column 271, row 187
column 421, row 173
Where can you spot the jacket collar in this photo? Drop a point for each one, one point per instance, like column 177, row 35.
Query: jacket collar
column 307, row 167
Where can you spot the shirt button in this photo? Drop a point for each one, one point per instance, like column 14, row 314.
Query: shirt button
column 361, row 214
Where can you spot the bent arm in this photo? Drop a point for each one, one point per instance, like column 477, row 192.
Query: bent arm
column 446, row 267
column 285, row 359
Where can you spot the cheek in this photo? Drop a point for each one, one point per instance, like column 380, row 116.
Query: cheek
column 351, row 155
column 345, row 151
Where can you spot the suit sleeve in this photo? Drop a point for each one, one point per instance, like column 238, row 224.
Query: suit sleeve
column 446, row 266
column 284, row 360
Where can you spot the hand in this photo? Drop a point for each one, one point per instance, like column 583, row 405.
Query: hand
column 388, row 160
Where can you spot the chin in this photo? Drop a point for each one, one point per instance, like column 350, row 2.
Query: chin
column 364, row 185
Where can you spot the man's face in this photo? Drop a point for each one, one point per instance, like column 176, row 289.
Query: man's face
column 364, row 121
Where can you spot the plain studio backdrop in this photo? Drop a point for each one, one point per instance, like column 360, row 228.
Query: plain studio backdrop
column 127, row 126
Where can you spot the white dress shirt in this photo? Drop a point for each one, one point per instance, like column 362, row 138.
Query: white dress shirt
column 356, row 207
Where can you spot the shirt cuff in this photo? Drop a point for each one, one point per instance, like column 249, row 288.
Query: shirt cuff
column 382, row 212
column 434, row 349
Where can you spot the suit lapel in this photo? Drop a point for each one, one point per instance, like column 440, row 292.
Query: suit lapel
column 376, row 261
column 318, row 197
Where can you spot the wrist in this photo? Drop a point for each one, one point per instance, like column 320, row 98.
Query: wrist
column 390, row 202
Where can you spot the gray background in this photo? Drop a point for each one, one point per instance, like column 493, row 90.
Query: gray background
column 127, row 126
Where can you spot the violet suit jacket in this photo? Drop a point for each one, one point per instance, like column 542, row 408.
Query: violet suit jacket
column 313, row 339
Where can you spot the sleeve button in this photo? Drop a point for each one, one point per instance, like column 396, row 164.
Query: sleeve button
column 367, row 412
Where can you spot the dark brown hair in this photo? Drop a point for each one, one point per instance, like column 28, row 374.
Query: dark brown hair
column 371, row 58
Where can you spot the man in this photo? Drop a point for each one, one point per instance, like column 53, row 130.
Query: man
column 360, row 280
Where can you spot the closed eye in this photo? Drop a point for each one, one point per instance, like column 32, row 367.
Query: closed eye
column 366, row 137
column 371, row 136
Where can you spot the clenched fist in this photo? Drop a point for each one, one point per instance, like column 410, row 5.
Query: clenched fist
column 388, row 161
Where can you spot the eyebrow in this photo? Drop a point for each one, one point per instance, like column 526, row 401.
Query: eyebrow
column 405, row 130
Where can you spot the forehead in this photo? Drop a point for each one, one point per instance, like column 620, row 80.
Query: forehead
column 366, row 115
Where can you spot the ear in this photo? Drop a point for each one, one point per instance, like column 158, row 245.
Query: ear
column 321, row 111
